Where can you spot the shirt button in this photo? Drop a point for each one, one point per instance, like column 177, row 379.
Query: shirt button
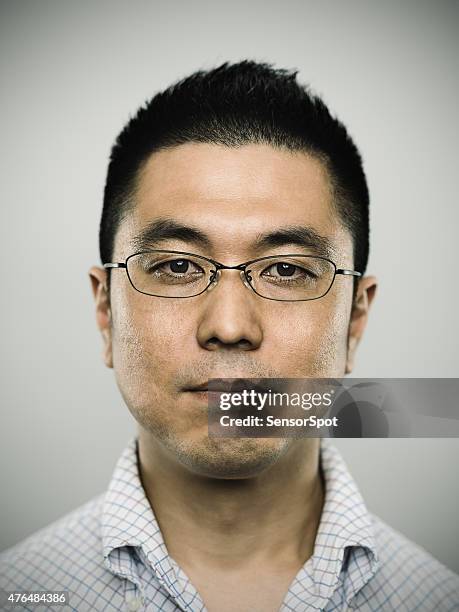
column 133, row 603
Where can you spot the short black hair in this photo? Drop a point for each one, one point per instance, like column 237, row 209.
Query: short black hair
column 233, row 105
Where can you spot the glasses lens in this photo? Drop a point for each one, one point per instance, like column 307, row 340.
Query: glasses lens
column 166, row 274
column 292, row 278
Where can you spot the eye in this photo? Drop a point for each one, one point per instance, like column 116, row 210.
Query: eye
column 178, row 266
column 283, row 269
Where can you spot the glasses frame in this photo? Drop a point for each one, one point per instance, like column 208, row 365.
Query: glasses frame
column 215, row 274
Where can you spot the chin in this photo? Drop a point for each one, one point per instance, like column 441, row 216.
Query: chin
column 229, row 458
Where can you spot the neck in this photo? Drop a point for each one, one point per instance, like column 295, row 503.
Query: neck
column 272, row 517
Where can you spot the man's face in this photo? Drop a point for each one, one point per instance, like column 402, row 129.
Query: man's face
column 162, row 348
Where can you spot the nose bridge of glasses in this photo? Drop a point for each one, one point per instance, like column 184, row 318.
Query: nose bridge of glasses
column 221, row 266
column 216, row 274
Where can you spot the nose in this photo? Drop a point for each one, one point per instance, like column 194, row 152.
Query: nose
column 230, row 315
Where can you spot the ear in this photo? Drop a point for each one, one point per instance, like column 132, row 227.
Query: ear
column 98, row 278
column 359, row 317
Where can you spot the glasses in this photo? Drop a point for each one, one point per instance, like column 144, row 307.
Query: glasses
column 284, row 278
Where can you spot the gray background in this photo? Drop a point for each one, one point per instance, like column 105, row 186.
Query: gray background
column 71, row 74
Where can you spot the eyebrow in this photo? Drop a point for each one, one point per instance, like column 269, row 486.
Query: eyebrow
column 164, row 229
column 167, row 229
column 298, row 235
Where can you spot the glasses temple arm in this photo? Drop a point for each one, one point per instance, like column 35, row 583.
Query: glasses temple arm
column 348, row 272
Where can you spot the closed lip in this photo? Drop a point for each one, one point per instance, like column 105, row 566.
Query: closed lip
column 205, row 388
column 229, row 385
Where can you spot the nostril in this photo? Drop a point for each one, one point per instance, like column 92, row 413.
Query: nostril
column 215, row 343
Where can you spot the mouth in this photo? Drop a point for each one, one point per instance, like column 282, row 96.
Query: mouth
column 204, row 390
column 208, row 391
column 200, row 393
column 197, row 388
column 225, row 385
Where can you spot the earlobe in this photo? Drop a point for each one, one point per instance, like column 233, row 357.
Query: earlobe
column 98, row 277
column 359, row 317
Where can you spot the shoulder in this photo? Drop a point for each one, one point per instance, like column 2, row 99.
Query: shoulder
column 408, row 577
column 55, row 555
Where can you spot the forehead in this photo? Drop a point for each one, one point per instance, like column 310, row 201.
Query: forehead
column 234, row 195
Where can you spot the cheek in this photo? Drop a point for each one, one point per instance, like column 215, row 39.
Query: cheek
column 147, row 345
column 313, row 339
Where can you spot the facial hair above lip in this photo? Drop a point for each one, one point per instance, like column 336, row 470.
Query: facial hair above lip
column 196, row 377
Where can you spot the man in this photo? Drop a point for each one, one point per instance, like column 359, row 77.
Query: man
column 239, row 164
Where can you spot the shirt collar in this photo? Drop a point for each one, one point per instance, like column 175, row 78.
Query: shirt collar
column 127, row 517
column 345, row 524
column 128, row 520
